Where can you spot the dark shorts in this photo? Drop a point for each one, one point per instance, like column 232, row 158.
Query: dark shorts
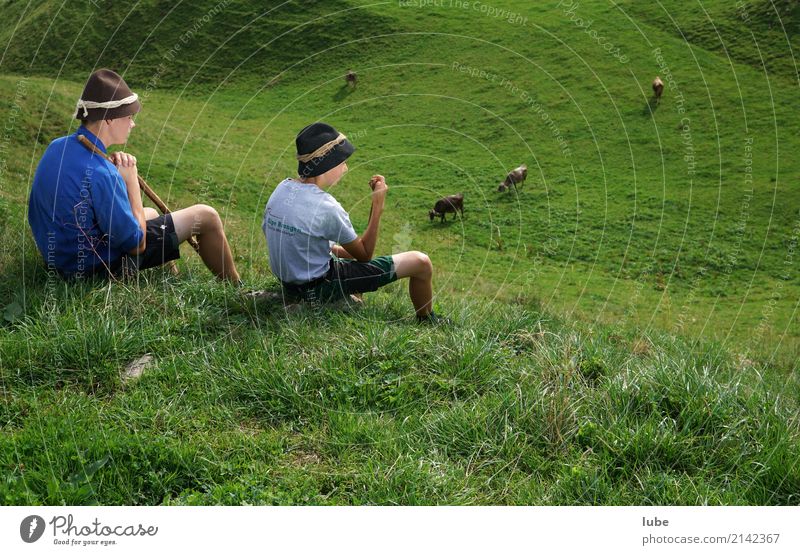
column 343, row 278
column 161, row 246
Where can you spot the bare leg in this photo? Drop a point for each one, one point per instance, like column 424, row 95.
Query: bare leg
column 204, row 222
column 417, row 267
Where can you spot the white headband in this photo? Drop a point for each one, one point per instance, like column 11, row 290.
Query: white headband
column 87, row 104
column 323, row 150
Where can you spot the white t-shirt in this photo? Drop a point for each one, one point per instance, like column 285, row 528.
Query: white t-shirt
column 301, row 223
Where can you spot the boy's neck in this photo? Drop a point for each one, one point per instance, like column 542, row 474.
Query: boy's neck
column 310, row 181
column 97, row 129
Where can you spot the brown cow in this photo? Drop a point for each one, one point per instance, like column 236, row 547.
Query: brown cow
column 658, row 87
column 351, row 78
column 444, row 205
column 515, row 177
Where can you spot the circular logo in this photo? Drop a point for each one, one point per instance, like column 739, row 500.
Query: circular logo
column 31, row 528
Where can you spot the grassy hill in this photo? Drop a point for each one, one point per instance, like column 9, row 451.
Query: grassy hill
column 179, row 43
column 245, row 404
column 626, row 322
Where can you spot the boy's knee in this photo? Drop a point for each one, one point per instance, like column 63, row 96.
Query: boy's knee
column 423, row 263
column 150, row 213
column 208, row 215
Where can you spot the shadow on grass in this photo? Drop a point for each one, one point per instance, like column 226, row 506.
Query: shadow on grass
column 650, row 107
column 343, row 92
column 446, row 223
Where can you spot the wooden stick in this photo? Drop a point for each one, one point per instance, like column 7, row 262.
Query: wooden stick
column 142, row 184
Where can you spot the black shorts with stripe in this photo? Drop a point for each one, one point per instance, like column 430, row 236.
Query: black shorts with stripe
column 343, row 278
column 162, row 245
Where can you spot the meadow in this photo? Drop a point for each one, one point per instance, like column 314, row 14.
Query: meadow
column 624, row 325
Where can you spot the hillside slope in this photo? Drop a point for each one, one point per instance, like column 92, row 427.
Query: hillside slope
column 648, row 217
column 625, row 324
column 244, row 403
column 172, row 44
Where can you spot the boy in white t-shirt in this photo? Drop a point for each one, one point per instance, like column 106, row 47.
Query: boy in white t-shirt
column 313, row 248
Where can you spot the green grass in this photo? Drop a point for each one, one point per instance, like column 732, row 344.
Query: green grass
column 245, row 404
column 625, row 333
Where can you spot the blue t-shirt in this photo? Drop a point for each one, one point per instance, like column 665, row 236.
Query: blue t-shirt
column 301, row 223
column 79, row 210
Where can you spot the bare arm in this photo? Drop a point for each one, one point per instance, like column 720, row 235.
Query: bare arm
column 363, row 247
column 126, row 165
column 340, row 252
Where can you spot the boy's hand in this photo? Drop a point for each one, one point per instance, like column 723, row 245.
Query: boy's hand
column 123, row 159
column 379, row 186
column 126, row 165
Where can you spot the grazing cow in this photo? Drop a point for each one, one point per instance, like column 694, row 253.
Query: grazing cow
column 658, row 87
column 447, row 204
column 351, row 78
column 515, row 177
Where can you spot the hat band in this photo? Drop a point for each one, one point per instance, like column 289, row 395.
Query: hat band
column 87, row 105
column 323, row 150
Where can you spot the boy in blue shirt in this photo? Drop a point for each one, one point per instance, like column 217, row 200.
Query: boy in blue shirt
column 313, row 248
column 86, row 213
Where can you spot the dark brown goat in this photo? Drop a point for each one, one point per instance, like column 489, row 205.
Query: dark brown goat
column 444, row 205
column 351, row 78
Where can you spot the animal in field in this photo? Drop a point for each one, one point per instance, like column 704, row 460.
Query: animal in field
column 658, row 87
column 447, row 204
column 515, row 177
column 351, row 78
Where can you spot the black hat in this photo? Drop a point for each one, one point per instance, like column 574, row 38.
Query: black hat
column 320, row 148
column 106, row 96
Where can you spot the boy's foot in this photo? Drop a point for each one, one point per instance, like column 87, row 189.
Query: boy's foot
column 433, row 319
column 352, row 302
column 292, row 308
column 262, row 295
